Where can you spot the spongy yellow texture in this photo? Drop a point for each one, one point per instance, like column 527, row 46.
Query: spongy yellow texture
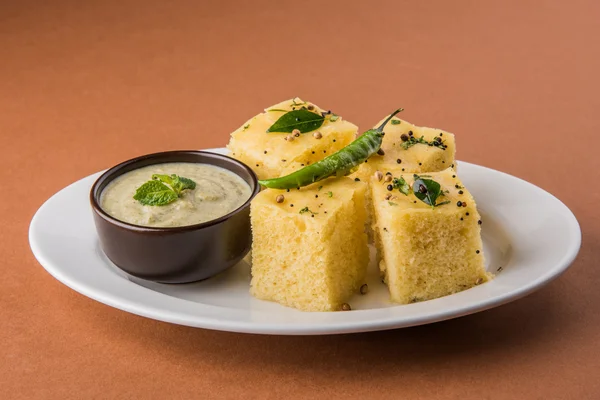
column 310, row 251
column 418, row 158
column 427, row 252
column 271, row 156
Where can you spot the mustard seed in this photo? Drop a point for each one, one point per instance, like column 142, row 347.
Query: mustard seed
column 280, row 198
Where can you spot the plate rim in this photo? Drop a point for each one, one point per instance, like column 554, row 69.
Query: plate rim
column 138, row 307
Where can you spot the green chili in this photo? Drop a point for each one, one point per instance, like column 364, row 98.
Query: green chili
column 339, row 163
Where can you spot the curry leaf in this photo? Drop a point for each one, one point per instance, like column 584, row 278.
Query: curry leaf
column 303, row 120
column 426, row 190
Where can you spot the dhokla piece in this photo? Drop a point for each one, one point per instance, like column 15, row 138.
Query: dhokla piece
column 309, row 249
column 271, row 154
column 411, row 148
column 427, row 252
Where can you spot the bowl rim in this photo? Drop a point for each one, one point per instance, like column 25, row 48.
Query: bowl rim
column 95, row 192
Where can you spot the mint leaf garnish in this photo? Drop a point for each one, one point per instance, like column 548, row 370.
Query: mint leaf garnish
column 168, row 179
column 177, row 183
column 157, row 193
column 180, row 184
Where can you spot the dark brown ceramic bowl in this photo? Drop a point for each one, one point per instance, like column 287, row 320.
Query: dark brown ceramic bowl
column 182, row 254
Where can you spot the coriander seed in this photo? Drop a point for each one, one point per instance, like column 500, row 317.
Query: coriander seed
column 279, row 198
column 364, row 289
column 317, row 135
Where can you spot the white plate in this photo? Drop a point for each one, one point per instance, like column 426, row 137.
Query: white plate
column 529, row 237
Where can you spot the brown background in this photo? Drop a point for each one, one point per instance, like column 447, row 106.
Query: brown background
column 84, row 86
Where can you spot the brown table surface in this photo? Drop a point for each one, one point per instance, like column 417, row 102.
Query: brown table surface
column 85, row 85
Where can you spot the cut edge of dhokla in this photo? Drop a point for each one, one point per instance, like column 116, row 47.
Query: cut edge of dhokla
column 426, row 253
column 309, row 248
